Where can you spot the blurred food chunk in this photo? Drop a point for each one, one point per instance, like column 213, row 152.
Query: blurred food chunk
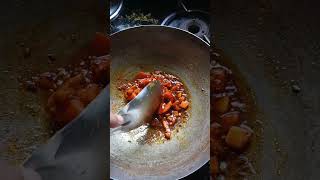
column 238, row 137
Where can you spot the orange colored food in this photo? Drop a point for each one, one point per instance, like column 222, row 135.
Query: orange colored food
column 71, row 88
column 174, row 103
column 100, row 45
column 238, row 137
column 229, row 133
column 77, row 88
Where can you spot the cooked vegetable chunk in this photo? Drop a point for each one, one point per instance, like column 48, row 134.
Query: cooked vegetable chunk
column 221, row 105
column 238, row 137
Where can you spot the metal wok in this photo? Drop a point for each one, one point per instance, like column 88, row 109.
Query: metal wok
column 180, row 53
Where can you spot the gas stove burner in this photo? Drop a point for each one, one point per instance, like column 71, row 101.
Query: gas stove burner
column 115, row 8
column 194, row 21
column 195, row 26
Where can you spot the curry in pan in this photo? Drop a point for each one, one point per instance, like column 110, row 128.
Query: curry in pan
column 232, row 130
column 174, row 102
column 68, row 90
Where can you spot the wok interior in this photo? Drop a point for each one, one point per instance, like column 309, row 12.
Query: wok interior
column 175, row 52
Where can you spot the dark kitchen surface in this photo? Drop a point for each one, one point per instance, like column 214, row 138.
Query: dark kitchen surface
column 144, row 12
column 282, row 39
column 202, row 173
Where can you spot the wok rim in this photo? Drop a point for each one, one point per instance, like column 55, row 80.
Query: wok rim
column 162, row 26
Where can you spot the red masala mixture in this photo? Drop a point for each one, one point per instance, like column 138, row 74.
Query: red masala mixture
column 174, row 101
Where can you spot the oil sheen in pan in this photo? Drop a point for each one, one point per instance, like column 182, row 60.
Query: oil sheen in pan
column 146, row 134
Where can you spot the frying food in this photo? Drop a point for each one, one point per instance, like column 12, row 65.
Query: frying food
column 174, row 101
column 230, row 135
column 70, row 89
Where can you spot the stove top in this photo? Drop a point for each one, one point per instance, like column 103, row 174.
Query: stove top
column 188, row 15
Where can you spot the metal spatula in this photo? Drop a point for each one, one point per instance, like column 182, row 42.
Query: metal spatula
column 141, row 108
column 80, row 150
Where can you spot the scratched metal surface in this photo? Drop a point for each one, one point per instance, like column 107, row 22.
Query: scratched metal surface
column 276, row 44
column 179, row 53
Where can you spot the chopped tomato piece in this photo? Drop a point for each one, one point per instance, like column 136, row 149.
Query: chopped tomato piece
column 175, row 88
column 137, row 91
column 132, row 96
column 167, row 83
column 130, row 91
column 176, row 105
column 182, row 98
column 164, row 89
column 142, row 75
column 143, row 82
column 168, row 95
column 164, row 107
column 184, row 104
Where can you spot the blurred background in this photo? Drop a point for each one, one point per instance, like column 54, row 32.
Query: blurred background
column 276, row 41
column 33, row 33
column 275, row 45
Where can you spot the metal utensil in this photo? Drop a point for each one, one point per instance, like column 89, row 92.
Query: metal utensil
column 138, row 154
column 79, row 150
column 141, row 108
